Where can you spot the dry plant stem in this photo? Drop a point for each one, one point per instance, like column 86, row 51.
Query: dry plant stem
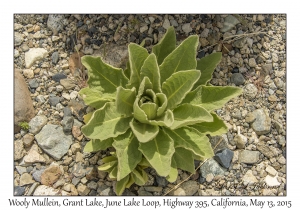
column 176, row 186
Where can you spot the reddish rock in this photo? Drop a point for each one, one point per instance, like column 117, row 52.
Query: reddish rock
column 75, row 62
column 24, row 110
column 51, row 175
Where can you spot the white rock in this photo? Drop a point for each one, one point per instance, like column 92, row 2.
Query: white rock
column 16, row 53
column 34, row 55
column 55, row 38
column 249, row 178
column 66, row 96
column 271, row 170
column 73, row 94
column 272, row 181
column 28, row 73
column 34, row 157
column 45, row 190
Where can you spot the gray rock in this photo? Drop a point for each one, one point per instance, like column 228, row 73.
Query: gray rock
column 161, row 181
column 33, row 83
column 18, row 190
column 68, row 83
column 188, row 188
column 37, row 174
column 219, row 142
column 267, row 68
column 174, row 23
column 23, row 107
column 229, row 23
column 204, row 33
column 21, row 170
column 224, row 157
column 248, row 156
column 55, row 23
column 37, row 123
column 262, row 123
column 92, row 185
column 237, row 79
column 153, row 188
column 113, row 54
column 252, row 62
column 53, row 100
column 187, row 28
column 40, row 99
column 75, row 181
column 53, row 141
column 250, row 91
column 166, row 23
column 67, row 124
column 55, row 57
column 57, row 77
column 211, row 167
column 18, row 39
column 267, row 150
column 240, row 43
column 67, row 112
column 33, row 55
column 78, row 170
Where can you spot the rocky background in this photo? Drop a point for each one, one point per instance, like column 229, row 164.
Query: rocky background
column 48, row 157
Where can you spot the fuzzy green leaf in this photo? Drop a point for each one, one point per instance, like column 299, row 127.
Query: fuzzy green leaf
column 192, row 140
column 187, row 114
column 121, row 185
column 182, row 58
column 144, row 163
column 150, row 110
column 138, row 113
column 128, row 156
column 137, row 56
column 166, row 119
column 217, row 127
column 178, row 85
column 212, row 97
column 159, row 153
column 113, row 173
column 108, row 159
column 162, row 102
column 139, row 176
column 172, row 176
column 150, row 69
column 95, row 98
column 106, row 123
column 124, row 100
column 207, row 66
column 108, row 167
column 144, row 132
column 103, row 77
column 184, row 159
column 95, row 145
column 165, row 46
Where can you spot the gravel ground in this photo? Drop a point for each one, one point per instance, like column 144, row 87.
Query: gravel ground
column 254, row 58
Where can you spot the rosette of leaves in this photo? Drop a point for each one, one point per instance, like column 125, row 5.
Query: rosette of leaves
column 155, row 113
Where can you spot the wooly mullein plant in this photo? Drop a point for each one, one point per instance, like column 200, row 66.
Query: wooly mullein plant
column 156, row 113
